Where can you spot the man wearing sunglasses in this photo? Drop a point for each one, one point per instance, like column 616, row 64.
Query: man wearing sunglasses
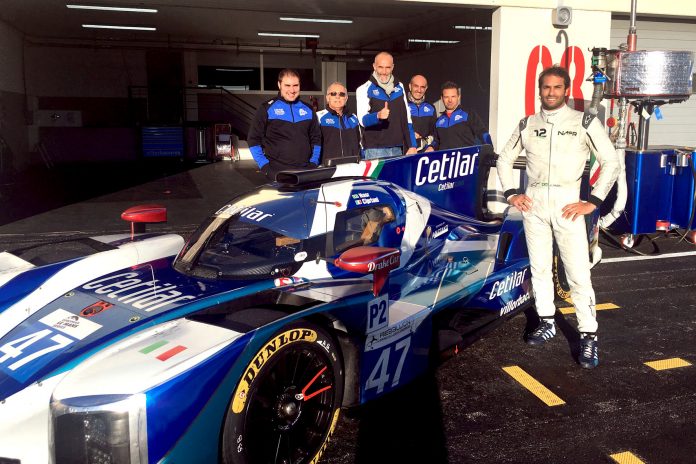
column 340, row 130
column 383, row 113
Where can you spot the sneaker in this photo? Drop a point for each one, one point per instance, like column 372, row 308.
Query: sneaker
column 545, row 331
column 589, row 356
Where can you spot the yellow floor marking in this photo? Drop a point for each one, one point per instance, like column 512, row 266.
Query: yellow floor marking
column 671, row 363
column 626, row 458
column 599, row 307
column 531, row 384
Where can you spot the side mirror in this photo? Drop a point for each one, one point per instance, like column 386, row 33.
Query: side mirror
column 140, row 215
column 370, row 260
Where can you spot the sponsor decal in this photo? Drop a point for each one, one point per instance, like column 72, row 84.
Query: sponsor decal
column 386, row 336
column 441, row 230
column 450, row 166
column 514, row 304
column 445, row 186
column 141, row 294
column 285, row 281
column 169, row 351
column 228, row 210
column 272, row 347
column 303, row 112
column 279, row 111
column 502, row 287
column 70, row 324
column 567, row 132
column 388, row 262
column 254, row 214
column 95, row 308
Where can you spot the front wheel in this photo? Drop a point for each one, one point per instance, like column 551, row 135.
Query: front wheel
column 286, row 405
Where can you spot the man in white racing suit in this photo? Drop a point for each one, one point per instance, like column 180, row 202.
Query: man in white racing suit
column 558, row 141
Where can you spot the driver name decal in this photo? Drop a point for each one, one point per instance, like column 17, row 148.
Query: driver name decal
column 142, row 294
column 252, row 370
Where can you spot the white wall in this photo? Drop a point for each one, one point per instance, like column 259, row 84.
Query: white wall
column 678, row 126
column 516, row 33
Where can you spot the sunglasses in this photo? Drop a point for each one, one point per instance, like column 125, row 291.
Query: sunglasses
column 340, row 94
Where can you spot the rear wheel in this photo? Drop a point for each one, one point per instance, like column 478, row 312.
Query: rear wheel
column 287, row 402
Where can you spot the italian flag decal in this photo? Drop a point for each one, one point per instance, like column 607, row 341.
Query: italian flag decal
column 163, row 354
column 373, row 168
column 594, row 169
column 369, row 169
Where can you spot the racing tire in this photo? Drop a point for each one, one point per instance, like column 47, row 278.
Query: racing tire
column 560, row 282
column 287, row 403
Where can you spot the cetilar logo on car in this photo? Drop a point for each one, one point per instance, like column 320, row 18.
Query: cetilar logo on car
column 142, row 294
column 450, row 166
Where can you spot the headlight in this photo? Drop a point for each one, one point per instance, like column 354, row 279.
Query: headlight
column 104, row 429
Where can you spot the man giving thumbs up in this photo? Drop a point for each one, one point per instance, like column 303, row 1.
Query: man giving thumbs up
column 383, row 113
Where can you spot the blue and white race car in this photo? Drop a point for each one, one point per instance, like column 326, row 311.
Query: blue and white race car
column 324, row 290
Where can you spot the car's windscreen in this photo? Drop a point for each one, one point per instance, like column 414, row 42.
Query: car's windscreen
column 230, row 248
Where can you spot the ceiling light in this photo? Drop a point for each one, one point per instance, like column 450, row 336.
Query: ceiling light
column 106, row 26
column 111, row 8
column 289, row 34
column 435, row 41
column 317, row 20
column 474, row 28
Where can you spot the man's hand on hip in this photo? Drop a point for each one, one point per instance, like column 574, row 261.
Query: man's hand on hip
column 573, row 211
column 521, row 202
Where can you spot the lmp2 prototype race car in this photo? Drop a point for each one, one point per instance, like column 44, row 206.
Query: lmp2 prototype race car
column 326, row 289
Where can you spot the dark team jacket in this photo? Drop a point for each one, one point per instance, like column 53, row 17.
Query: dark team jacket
column 287, row 132
column 392, row 132
column 423, row 117
column 340, row 135
column 460, row 129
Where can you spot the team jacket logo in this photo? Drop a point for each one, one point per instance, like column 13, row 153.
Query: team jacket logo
column 450, row 166
column 458, row 117
column 426, row 110
column 142, row 294
column 441, row 122
column 302, row 112
column 330, row 121
column 279, row 111
column 375, row 92
column 252, row 370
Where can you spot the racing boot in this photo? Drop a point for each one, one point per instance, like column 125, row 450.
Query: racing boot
column 545, row 331
column 589, row 356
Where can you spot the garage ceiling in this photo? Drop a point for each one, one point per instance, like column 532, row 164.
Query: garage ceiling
column 377, row 24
